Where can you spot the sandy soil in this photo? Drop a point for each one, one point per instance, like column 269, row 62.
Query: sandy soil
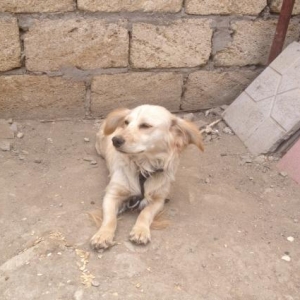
column 231, row 215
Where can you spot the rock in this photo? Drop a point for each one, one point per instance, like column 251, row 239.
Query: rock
column 10, row 121
column 86, row 139
column 217, row 111
column 20, row 135
column 207, row 180
column 189, row 117
column 224, row 107
column 21, row 157
column 283, row 174
column 93, row 162
column 286, row 258
column 290, row 239
column 221, row 125
column 208, row 130
column 227, row 130
column 95, row 283
column 37, row 161
column 5, row 145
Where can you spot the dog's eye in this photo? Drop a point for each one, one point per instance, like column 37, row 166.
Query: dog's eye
column 126, row 122
column 145, row 126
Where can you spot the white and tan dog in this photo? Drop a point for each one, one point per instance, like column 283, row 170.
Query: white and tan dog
column 141, row 147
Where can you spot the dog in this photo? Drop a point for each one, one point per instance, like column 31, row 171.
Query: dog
column 142, row 149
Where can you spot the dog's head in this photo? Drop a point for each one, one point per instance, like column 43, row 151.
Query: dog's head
column 150, row 129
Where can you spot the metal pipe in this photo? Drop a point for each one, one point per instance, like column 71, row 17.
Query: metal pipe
column 281, row 28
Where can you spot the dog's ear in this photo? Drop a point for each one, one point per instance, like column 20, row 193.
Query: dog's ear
column 114, row 120
column 186, row 133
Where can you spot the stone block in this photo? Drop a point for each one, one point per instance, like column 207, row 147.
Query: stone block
column 251, row 43
column 31, row 97
column 36, row 6
column 184, row 43
column 10, row 49
column 268, row 112
column 276, row 6
column 83, row 43
column 206, row 89
column 225, row 7
column 133, row 89
column 172, row 6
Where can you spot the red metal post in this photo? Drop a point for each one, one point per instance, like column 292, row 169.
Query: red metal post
column 281, row 29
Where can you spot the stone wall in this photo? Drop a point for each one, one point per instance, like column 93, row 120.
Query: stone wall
column 68, row 58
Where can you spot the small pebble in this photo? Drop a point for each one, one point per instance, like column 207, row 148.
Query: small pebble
column 10, row 121
column 95, row 283
column 86, row 139
column 283, row 174
column 286, row 258
column 60, row 205
column 93, row 162
column 88, row 158
column 207, row 180
column 20, row 135
column 37, row 161
column 21, row 157
column 227, row 130
column 208, row 130
column 290, row 239
column 251, row 178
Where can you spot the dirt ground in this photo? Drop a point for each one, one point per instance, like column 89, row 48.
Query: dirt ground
column 232, row 218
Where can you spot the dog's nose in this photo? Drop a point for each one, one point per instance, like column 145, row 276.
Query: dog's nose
column 118, row 141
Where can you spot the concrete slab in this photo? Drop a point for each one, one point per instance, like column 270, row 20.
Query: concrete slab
column 290, row 163
column 268, row 111
column 229, row 224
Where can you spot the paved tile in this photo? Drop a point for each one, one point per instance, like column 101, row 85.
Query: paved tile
column 290, row 163
column 268, row 111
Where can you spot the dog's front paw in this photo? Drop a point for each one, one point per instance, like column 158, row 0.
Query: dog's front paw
column 103, row 239
column 140, row 235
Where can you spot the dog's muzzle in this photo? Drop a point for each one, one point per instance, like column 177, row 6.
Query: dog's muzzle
column 118, row 141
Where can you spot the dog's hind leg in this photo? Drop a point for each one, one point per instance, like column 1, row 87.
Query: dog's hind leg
column 104, row 238
column 140, row 232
